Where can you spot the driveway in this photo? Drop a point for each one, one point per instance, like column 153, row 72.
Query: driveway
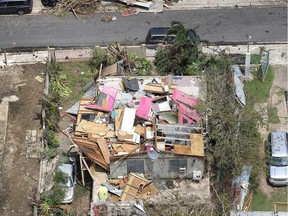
column 277, row 98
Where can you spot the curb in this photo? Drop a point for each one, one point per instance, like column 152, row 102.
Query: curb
column 224, row 6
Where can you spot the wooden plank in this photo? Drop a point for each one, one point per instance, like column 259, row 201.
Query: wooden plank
column 124, row 147
column 118, row 119
column 196, row 147
column 148, row 191
column 134, row 183
column 82, row 103
column 79, row 117
column 91, row 127
column 87, row 167
column 182, row 150
column 109, row 134
column 139, row 129
column 197, row 144
column 104, row 149
column 158, row 88
column 97, row 158
column 81, row 169
column 124, row 136
column 110, row 70
column 91, row 149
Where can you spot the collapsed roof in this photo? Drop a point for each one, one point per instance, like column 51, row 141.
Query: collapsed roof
column 119, row 117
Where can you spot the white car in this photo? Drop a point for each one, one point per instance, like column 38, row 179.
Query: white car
column 69, row 169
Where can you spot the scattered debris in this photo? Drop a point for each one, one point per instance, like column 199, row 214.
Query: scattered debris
column 39, row 79
column 129, row 12
column 108, row 18
column 143, row 4
column 122, row 122
column 241, row 189
column 239, row 86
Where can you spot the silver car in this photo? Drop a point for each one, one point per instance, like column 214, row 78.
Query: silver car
column 279, row 160
column 68, row 184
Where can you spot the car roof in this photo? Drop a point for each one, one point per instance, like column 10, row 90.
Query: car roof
column 158, row 30
column 279, row 144
column 13, row 0
column 66, row 168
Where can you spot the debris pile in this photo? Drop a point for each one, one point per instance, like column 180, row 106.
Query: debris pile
column 137, row 129
column 127, row 192
column 108, row 18
column 132, row 115
column 88, row 7
column 83, row 7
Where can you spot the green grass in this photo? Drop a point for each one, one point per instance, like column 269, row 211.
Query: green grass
column 255, row 59
column 259, row 91
column 261, row 202
column 273, row 115
column 77, row 75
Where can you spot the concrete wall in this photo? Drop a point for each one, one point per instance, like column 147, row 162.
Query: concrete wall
column 161, row 167
column 278, row 53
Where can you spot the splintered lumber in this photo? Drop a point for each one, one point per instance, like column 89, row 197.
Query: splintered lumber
column 109, row 134
column 91, row 149
column 124, row 147
column 148, row 191
column 196, row 147
column 138, row 147
column 110, row 70
column 93, row 128
column 118, row 119
column 158, row 88
column 83, row 7
column 104, row 149
column 83, row 102
column 139, row 129
column 134, row 184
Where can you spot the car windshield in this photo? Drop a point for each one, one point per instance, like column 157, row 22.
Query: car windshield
column 279, row 161
column 171, row 38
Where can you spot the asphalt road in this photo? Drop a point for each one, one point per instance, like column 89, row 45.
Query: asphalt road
column 229, row 25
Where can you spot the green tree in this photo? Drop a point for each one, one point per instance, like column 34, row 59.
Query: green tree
column 233, row 129
column 178, row 57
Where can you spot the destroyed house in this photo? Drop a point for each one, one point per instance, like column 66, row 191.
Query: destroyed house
column 146, row 125
column 167, row 166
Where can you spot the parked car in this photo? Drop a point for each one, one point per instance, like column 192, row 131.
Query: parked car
column 16, row 6
column 164, row 35
column 279, row 159
column 49, row 3
column 69, row 169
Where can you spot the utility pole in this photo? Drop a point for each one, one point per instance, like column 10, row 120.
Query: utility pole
column 5, row 56
column 247, row 61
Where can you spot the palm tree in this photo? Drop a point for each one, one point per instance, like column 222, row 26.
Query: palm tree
column 183, row 35
column 179, row 56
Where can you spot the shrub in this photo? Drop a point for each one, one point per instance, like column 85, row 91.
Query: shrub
column 99, row 57
column 52, row 142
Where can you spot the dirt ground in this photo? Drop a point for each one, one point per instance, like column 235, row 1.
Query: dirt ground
column 19, row 175
column 276, row 99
